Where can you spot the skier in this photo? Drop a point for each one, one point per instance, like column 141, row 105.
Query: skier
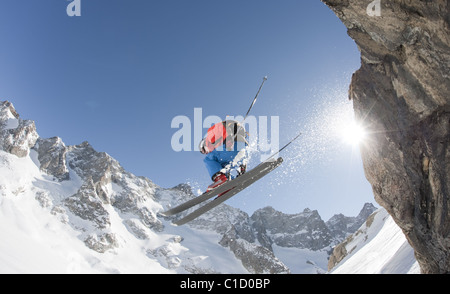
column 225, row 148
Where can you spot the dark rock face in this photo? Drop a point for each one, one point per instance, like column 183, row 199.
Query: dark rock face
column 401, row 93
column 302, row 230
column 52, row 157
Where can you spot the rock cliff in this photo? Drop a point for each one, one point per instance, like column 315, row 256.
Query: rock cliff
column 401, row 94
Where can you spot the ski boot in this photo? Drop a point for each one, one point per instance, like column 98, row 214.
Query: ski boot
column 219, row 179
column 242, row 170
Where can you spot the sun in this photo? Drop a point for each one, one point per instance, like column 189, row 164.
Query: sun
column 354, row 133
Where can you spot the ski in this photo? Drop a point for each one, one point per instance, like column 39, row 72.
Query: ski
column 223, row 188
column 254, row 175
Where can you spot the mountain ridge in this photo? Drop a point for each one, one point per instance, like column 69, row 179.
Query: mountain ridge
column 112, row 211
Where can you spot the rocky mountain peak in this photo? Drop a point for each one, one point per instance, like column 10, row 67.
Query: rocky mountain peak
column 7, row 110
column 305, row 229
column 17, row 136
column 366, row 211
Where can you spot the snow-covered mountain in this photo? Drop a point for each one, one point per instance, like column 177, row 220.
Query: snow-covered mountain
column 377, row 247
column 74, row 209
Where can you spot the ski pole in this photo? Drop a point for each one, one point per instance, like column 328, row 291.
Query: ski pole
column 284, row 147
column 256, row 97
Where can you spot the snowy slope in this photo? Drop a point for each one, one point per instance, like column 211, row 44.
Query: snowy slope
column 37, row 240
column 302, row 261
column 378, row 247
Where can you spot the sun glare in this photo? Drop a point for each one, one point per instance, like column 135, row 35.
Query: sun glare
column 354, row 134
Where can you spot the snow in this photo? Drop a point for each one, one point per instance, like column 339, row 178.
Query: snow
column 11, row 121
column 36, row 239
column 379, row 249
column 203, row 245
column 34, row 243
column 302, row 261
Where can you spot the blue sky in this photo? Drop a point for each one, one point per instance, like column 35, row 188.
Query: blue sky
column 118, row 74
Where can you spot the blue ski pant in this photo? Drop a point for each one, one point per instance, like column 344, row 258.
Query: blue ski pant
column 217, row 160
